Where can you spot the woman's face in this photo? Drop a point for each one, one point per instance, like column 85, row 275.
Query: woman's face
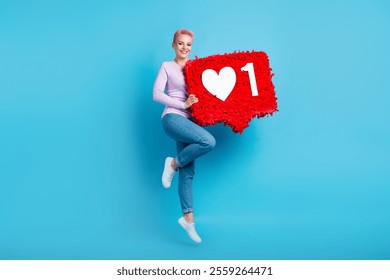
column 182, row 46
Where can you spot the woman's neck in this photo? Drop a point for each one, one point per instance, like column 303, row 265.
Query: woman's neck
column 180, row 62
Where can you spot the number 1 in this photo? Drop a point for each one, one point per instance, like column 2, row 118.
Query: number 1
column 252, row 79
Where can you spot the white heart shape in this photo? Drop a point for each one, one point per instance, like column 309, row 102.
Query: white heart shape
column 220, row 85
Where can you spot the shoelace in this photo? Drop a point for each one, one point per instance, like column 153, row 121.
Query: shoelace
column 170, row 175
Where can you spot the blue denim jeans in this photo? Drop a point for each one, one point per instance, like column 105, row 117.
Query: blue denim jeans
column 192, row 141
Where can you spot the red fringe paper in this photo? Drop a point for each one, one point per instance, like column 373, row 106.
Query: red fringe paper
column 240, row 107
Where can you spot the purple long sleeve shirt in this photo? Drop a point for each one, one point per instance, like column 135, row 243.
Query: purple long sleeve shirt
column 170, row 89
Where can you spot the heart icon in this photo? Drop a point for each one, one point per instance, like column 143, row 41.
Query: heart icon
column 220, row 85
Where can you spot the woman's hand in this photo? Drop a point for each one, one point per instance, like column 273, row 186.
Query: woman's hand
column 191, row 100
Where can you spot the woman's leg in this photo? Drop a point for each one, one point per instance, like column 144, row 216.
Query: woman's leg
column 192, row 141
column 186, row 175
column 199, row 141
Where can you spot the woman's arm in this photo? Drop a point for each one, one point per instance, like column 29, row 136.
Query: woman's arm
column 158, row 91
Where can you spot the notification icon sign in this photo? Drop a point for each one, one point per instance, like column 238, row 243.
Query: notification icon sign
column 231, row 88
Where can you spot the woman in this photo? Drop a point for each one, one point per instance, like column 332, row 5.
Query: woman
column 192, row 141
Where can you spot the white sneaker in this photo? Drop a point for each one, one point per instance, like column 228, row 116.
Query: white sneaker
column 190, row 229
column 167, row 173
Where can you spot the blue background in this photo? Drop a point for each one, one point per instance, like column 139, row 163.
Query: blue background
column 82, row 147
